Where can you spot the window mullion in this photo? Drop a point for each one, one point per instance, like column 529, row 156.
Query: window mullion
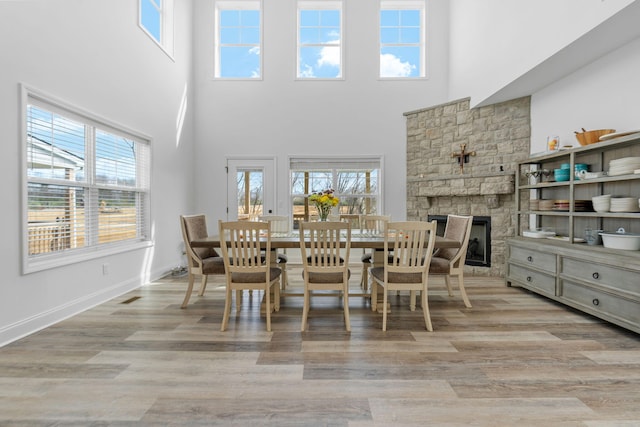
column 91, row 196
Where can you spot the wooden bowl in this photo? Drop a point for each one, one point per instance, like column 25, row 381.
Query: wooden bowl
column 592, row 136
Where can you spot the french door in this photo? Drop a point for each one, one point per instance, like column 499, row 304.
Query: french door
column 251, row 188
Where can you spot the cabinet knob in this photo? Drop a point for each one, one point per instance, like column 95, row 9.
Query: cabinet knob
column 596, row 275
column 529, row 278
column 530, row 258
column 595, row 301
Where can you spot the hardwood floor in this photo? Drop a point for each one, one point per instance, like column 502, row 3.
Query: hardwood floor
column 515, row 358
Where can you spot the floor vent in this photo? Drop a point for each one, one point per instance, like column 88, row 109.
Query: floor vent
column 130, row 300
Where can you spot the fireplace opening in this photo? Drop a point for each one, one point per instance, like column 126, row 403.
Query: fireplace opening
column 479, row 249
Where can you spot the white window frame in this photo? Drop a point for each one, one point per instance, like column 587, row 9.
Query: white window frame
column 235, row 5
column 91, row 249
column 166, row 12
column 407, row 5
column 321, row 5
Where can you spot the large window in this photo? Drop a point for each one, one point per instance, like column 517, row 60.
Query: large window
column 402, row 39
column 319, row 39
column 86, row 185
column 238, row 41
column 156, row 19
column 356, row 182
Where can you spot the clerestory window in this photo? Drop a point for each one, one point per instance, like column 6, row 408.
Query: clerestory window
column 402, row 39
column 320, row 40
column 238, row 40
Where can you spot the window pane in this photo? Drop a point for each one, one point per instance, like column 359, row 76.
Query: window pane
column 239, row 62
column 55, row 146
column 410, row 35
column 330, row 35
column 309, row 18
column 230, row 18
column 250, row 18
column 309, row 35
column 410, row 18
column 250, row 184
column 330, row 18
column 250, row 35
column 55, row 218
column 115, row 160
column 151, row 18
column 117, row 219
column 322, row 62
column 389, row 18
column 400, row 62
column 389, row 35
column 230, row 35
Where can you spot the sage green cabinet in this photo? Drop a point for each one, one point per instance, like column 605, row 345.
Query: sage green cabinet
column 597, row 280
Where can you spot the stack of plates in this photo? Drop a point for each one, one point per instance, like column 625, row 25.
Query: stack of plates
column 561, row 205
column 623, row 166
column 545, row 205
column 624, row 204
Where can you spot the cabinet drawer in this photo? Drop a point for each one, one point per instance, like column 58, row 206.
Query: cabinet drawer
column 602, row 302
column 532, row 278
column 626, row 280
column 537, row 259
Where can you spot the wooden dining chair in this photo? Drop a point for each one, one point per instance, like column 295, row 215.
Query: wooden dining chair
column 370, row 224
column 449, row 262
column 200, row 261
column 325, row 248
column 279, row 224
column 412, row 244
column 246, row 267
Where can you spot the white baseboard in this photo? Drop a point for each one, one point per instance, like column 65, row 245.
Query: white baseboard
column 28, row 326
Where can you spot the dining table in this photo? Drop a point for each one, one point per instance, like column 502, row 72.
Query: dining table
column 290, row 240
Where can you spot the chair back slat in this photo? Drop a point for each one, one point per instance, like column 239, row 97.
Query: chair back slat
column 412, row 245
column 241, row 245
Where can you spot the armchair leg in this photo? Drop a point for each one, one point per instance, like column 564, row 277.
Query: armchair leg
column 188, row 294
column 463, row 291
column 203, row 284
column 447, row 282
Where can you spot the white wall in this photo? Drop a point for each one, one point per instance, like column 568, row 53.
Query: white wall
column 603, row 95
column 495, row 42
column 282, row 117
column 92, row 55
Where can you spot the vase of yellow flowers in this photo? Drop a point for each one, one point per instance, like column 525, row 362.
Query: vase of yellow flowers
column 324, row 202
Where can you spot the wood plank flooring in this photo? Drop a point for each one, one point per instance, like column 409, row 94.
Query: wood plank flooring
column 513, row 359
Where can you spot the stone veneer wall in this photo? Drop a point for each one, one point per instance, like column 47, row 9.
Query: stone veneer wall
column 499, row 134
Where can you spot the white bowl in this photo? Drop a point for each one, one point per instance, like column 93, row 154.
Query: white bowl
column 621, row 240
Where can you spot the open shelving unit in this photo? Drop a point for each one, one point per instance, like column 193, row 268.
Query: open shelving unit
column 601, row 281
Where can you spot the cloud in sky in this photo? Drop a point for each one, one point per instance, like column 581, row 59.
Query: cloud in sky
column 330, row 56
column 392, row 66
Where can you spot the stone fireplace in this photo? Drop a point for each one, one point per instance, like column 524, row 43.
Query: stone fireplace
column 495, row 138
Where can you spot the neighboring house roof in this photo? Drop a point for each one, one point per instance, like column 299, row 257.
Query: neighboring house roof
column 41, row 154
